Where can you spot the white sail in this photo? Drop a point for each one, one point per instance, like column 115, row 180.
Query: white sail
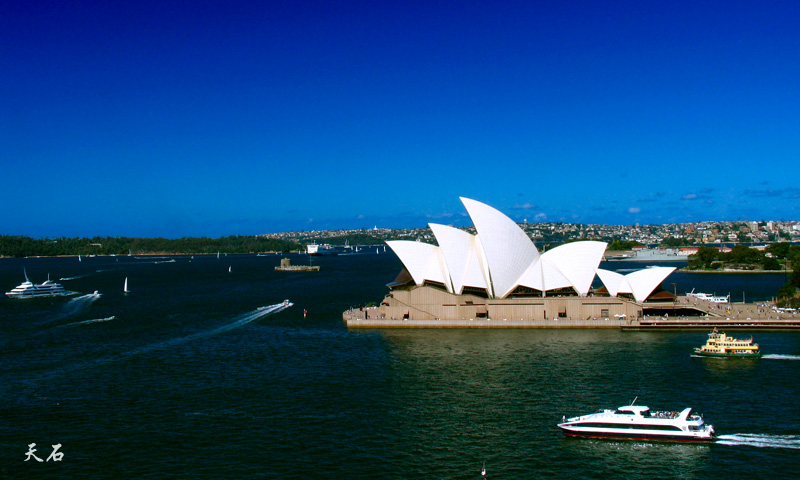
column 125, row 288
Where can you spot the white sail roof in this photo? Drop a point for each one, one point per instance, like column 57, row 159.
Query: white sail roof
column 640, row 283
column 643, row 282
column 423, row 261
column 615, row 283
column 507, row 249
column 544, row 275
column 461, row 254
column 578, row 261
column 501, row 257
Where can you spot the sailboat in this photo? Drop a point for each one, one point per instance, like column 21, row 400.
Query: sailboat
column 125, row 288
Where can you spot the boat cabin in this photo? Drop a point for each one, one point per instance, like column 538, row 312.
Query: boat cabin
column 638, row 410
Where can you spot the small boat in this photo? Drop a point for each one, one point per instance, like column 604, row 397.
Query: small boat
column 720, row 345
column 125, row 288
column 28, row 289
column 639, row 422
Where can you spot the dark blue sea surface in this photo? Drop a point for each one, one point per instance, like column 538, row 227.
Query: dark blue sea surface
column 185, row 378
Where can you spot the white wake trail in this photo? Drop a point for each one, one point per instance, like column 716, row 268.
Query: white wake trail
column 761, row 440
column 74, row 278
column 777, row 356
column 260, row 312
column 77, row 304
column 87, row 322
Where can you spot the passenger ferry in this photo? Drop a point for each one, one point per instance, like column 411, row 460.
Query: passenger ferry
column 722, row 346
column 29, row 289
column 321, row 250
column 639, row 422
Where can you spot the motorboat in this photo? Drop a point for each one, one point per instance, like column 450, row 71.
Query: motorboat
column 28, row 289
column 639, row 422
column 720, row 345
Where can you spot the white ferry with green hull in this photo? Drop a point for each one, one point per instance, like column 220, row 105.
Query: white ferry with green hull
column 720, row 345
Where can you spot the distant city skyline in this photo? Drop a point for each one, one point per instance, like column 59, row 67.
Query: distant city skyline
column 210, row 119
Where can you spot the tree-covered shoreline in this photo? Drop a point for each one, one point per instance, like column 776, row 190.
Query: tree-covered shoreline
column 22, row 246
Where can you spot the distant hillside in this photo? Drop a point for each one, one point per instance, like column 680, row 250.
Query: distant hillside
column 20, row 246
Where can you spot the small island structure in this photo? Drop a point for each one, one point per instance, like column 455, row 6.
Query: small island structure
column 286, row 266
column 720, row 345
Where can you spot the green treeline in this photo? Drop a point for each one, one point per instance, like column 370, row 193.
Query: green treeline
column 782, row 256
column 618, row 245
column 742, row 257
column 20, row 246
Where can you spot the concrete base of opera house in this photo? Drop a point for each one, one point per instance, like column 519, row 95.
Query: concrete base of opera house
column 432, row 307
column 428, row 307
column 353, row 320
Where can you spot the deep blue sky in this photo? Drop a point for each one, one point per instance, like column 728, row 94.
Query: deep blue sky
column 188, row 118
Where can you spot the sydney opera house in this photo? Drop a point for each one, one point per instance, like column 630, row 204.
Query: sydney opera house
column 499, row 274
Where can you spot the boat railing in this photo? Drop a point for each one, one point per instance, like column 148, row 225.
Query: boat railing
column 665, row 414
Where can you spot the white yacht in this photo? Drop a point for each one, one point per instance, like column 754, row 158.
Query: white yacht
column 639, row 422
column 29, row 289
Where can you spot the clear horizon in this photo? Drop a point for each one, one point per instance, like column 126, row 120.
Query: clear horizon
column 172, row 119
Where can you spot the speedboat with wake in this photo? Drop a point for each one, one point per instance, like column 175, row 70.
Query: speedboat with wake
column 639, row 422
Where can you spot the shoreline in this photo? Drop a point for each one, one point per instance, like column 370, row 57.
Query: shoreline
column 730, row 270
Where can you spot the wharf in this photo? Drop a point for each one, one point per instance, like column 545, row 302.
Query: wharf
column 709, row 323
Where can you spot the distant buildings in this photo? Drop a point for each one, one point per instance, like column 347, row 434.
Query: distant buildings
column 700, row 233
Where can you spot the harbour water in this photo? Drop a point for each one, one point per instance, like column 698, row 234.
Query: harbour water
column 185, row 377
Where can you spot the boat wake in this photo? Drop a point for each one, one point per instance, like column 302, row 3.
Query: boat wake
column 74, row 278
column 777, row 356
column 239, row 321
column 87, row 322
column 242, row 320
column 761, row 440
column 79, row 303
column 74, row 306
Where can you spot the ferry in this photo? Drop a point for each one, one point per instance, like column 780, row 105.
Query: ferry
column 720, row 345
column 709, row 298
column 321, row 250
column 639, row 422
column 28, row 289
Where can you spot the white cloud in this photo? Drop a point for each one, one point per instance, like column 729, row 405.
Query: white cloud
column 524, row 206
column 634, row 210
